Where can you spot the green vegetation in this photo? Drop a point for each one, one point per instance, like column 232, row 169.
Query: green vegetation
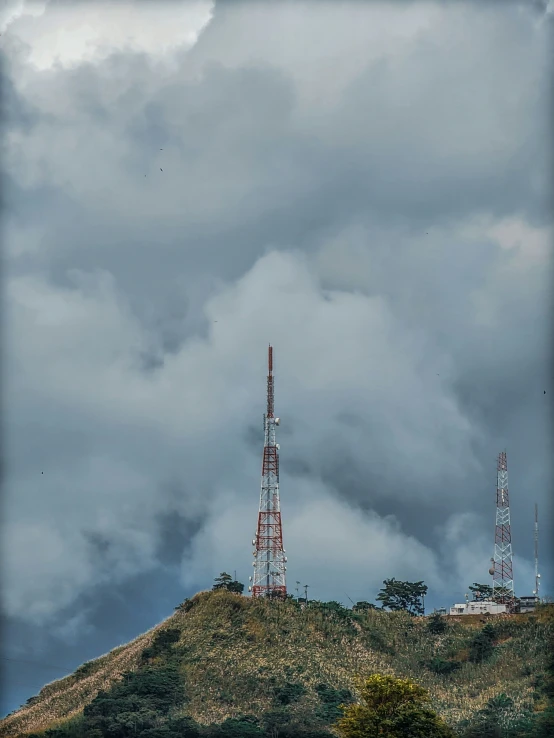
column 499, row 720
column 437, row 624
column 407, row 596
column 482, row 646
column 363, row 605
column 331, row 700
column 441, row 666
column 484, row 592
column 392, row 707
column 225, row 581
column 481, row 592
column 161, row 644
column 227, row 665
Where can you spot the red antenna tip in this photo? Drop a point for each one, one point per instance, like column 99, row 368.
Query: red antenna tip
column 270, row 358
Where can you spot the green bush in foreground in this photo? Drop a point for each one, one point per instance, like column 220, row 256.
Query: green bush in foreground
column 392, row 708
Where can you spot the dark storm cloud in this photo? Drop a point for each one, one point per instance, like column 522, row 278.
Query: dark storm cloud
column 299, row 180
column 174, row 535
column 13, row 107
column 112, row 617
column 373, row 204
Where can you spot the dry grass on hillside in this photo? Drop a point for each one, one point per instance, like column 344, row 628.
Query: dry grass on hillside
column 233, row 651
column 64, row 698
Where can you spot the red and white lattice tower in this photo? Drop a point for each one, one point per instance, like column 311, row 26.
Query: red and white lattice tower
column 269, row 554
column 501, row 569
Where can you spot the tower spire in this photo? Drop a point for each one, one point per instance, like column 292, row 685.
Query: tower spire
column 501, row 570
column 269, row 578
column 536, row 537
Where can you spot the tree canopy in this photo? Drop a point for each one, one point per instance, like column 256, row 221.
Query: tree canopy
column 391, row 707
column 403, row 596
column 226, row 581
column 481, row 592
column 484, row 592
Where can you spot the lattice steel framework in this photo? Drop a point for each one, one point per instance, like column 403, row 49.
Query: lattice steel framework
column 536, row 540
column 269, row 564
column 502, row 576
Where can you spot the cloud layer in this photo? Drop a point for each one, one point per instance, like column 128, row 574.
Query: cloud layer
column 351, row 184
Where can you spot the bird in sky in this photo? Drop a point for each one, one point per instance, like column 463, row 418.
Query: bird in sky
column 161, row 170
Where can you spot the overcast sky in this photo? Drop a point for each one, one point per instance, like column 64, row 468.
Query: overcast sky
column 365, row 186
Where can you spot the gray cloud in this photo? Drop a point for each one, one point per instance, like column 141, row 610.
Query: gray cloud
column 349, row 183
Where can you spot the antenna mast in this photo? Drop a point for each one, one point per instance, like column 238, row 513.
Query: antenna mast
column 269, row 555
column 536, row 537
column 501, row 569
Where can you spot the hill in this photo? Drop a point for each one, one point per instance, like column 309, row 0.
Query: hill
column 222, row 655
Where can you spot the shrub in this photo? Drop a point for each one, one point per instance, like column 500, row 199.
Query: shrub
column 186, row 605
column 442, row 666
column 290, row 692
column 482, row 646
column 242, row 727
column 498, row 719
column 330, row 700
column 437, row 624
column 162, row 643
column 85, row 669
column 394, row 708
column 140, row 699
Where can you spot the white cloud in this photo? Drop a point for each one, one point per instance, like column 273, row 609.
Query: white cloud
column 337, row 550
column 78, row 348
column 467, row 546
column 341, row 134
column 310, row 45
column 71, row 34
column 41, row 577
column 15, row 9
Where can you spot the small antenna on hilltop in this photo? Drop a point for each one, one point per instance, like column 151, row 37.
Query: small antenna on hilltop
column 536, row 537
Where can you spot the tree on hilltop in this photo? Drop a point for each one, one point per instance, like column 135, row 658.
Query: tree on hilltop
column 403, row 596
column 226, row 581
column 481, row 592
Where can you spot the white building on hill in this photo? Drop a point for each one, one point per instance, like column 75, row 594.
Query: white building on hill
column 478, row 608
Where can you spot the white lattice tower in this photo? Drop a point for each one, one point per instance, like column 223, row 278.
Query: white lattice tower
column 502, row 574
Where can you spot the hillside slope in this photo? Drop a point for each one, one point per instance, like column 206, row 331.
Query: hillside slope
column 241, row 656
